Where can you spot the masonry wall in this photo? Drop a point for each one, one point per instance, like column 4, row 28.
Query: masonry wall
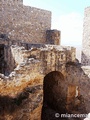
column 80, row 76
column 86, row 38
column 53, row 57
column 22, row 89
column 53, row 37
column 19, row 22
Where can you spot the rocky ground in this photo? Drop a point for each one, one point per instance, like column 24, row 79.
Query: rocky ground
column 25, row 106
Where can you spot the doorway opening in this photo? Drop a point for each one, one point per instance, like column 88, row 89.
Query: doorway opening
column 2, row 61
column 54, row 93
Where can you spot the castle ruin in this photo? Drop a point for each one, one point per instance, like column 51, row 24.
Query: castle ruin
column 38, row 76
column 86, row 38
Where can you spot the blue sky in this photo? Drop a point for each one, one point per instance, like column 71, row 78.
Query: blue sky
column 67, row 16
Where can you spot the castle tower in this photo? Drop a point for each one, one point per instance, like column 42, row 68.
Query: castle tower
column 85, row 58
column 53, row 37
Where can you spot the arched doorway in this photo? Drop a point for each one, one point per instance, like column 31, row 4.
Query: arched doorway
column 54, row 92
column 59, row 97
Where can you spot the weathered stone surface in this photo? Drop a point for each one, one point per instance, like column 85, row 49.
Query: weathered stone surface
column 22, row 105
column 32, row 65
column 32, row 68
column 86, row 38
column 22, row 89
column 20, row 22
column 75, row 93
column 53, row 37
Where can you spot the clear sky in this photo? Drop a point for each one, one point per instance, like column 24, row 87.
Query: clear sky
column 67, row 16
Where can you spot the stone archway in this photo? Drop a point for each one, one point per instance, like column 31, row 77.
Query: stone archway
column 54, row 99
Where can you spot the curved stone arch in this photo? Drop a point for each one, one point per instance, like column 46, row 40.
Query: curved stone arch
column 59, row 97
column 54, row 93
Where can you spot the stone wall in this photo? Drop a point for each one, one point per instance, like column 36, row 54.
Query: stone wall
column 86, row 38
column 53, row 37
column 73, row 87
column 19, row 22
column 12, row 2
column 79, row 77
column 23, row 87
column 23, row 92
column 49, row 54
column 53, row 58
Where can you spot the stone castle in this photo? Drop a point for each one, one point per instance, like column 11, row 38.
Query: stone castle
column 38, row 76
column 86, row 38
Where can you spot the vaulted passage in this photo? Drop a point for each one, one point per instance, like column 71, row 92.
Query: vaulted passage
column 60, row 97
column 54, row 95
column 54, row 89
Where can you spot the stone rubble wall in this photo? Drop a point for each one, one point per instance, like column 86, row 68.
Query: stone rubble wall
column 80, row 77
column 32, row 62
column 53, row 37
column 51, row 56
column 19, row 22
column 12, row 2
column 21, row 92
column 27, row 77
column 22, row 87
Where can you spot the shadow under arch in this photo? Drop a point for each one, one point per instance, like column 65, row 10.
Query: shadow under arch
column 54, row 95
